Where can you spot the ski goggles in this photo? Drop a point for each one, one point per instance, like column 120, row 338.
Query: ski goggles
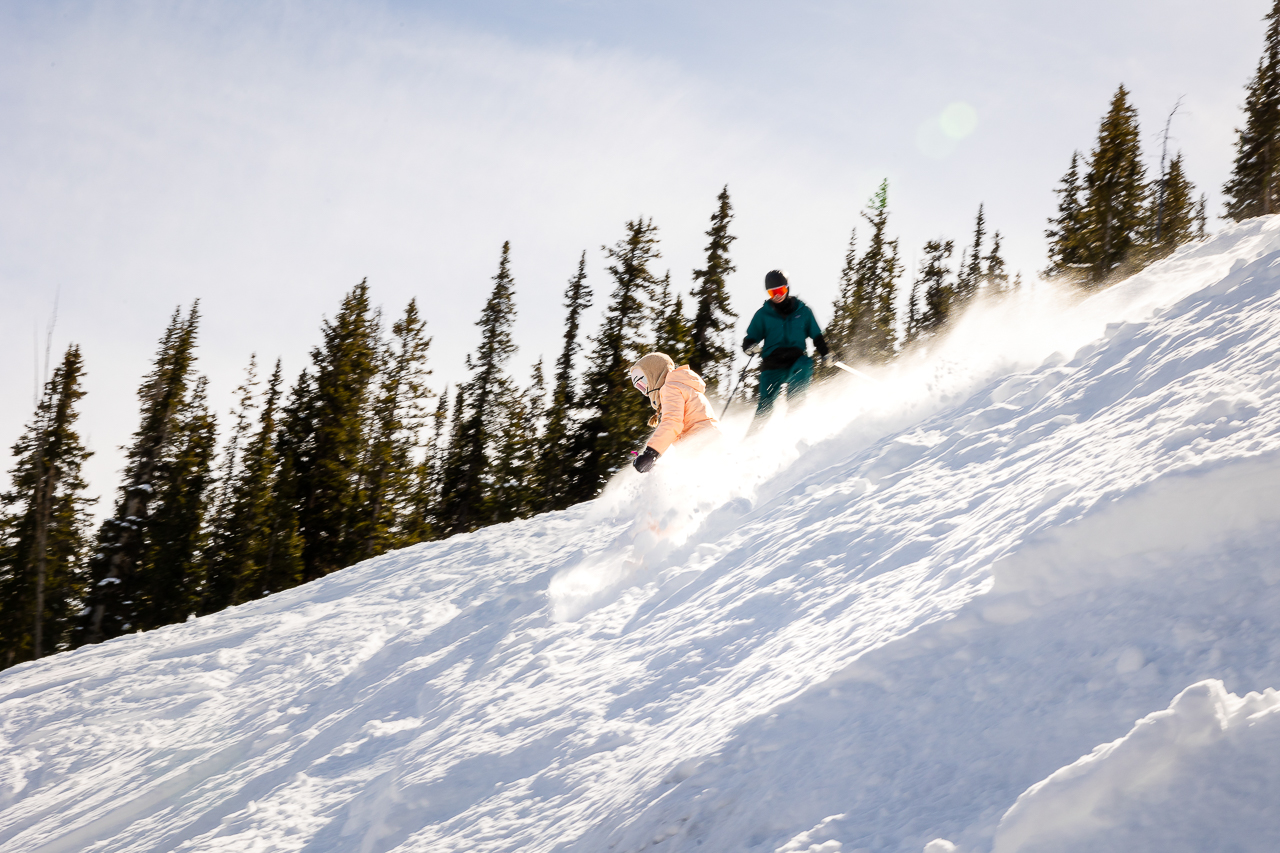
column 775, row 292
column 638, row 380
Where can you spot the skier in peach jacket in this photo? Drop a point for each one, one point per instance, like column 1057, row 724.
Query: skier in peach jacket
column 677, row 394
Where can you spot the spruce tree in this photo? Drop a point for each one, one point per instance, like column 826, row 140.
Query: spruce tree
column 863, row 318
column 558, row 456
column 467, row 479
column 253, row 545
column 326, row 428
column 118, row 598
column 398, row 415
column 1254, row 186
column 937, row 292
column 673, row 334
column 1066, row 234
column 170, row 585
column 420, row 523
column 710, row 355
column 969, row 278
column 995, row 278
column 515, row 475
column 44, row 524
column 618, row 418
column 1115, row 209
column 1176, row 221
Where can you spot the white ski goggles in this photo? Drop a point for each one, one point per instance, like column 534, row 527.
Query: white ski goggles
column 638, row 380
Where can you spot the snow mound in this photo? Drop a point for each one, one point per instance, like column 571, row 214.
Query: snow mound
column 1199, row 776
column 871, row 628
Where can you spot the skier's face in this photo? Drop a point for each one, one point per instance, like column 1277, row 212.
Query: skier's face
column 777, row 294
column 638, row 380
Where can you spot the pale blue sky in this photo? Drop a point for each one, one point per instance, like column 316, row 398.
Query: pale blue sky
column 264, row 157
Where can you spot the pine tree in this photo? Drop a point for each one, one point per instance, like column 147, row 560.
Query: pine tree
column 1066, row 236
column 219, row 580
column 1254, row 186
column 116, row 602
column 994, row 276
column 558, row 456
column 969, row 278
column 515, row 477
column 937, row 293
column 420, row 523
column 253, row 547
column 170, row 585
column 466, row 481
column 398, row 415
column 1176, row 222
column 44, row 524
column 710, row 355
column 1115, row 210
column 618, row 417
column 326, row 437
column 863, row 323
column 673, row 334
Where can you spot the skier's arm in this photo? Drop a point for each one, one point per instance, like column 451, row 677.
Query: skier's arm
column 819, row 345
column 671, row 425
column 755, row 333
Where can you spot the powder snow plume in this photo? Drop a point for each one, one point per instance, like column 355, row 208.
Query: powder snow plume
column 1017, row 593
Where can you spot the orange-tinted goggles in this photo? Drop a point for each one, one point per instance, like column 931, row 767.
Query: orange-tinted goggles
column 775, row 292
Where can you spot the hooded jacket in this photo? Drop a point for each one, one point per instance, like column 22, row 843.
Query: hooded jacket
column 678, row 395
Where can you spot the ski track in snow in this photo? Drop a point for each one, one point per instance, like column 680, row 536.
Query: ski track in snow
column 1003, row 599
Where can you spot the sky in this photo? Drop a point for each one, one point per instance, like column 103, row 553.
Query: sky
column 265, row 157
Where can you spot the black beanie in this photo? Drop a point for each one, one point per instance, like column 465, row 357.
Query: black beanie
column 775, row 278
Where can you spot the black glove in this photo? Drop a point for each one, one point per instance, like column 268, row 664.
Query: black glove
column 750, row 347
column 645, row 460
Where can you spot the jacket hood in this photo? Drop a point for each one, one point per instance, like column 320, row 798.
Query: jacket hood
column 684, row 375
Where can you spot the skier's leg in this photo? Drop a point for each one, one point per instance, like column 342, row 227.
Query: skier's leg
column 770, row 384
column 798, row 379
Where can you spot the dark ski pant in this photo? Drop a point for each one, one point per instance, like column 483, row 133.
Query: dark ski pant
column 796, row 378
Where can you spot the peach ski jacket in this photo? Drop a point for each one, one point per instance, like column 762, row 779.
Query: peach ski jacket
column 685, row 409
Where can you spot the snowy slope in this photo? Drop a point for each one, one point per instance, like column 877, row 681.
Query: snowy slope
column 1013, row 597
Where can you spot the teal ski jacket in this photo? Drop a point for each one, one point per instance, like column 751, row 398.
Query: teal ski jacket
column 783, row 327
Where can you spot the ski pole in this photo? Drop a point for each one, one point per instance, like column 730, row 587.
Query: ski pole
column 857, row 373
column 742, row 375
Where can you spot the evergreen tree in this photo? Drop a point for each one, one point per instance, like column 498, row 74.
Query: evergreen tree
column 1254, row 186
column 969, row 278
column 44, row 524
column 1175, row 222
column 253, row 546
column 117, row 600
column 326, row 437
column 398, row 415
column 515, row 477
column 467, row 480
column 937, row 293
column 170, row 585
column 1115, row 210
column 994, row 276
column 863, row 323
column 218, row 582
column 618, row 417
column 556, row 466
column 420, row 523
column 1066, row 236
column 673, row 335
column 710, row 355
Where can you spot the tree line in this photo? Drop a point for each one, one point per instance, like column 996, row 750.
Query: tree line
column 359, row 455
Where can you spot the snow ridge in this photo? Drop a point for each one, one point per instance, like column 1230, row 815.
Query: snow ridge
column 896, row 620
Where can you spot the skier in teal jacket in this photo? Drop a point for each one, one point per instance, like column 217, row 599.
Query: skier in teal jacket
column 779, row 331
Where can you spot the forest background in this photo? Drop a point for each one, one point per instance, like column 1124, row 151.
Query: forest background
column 317, row 455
